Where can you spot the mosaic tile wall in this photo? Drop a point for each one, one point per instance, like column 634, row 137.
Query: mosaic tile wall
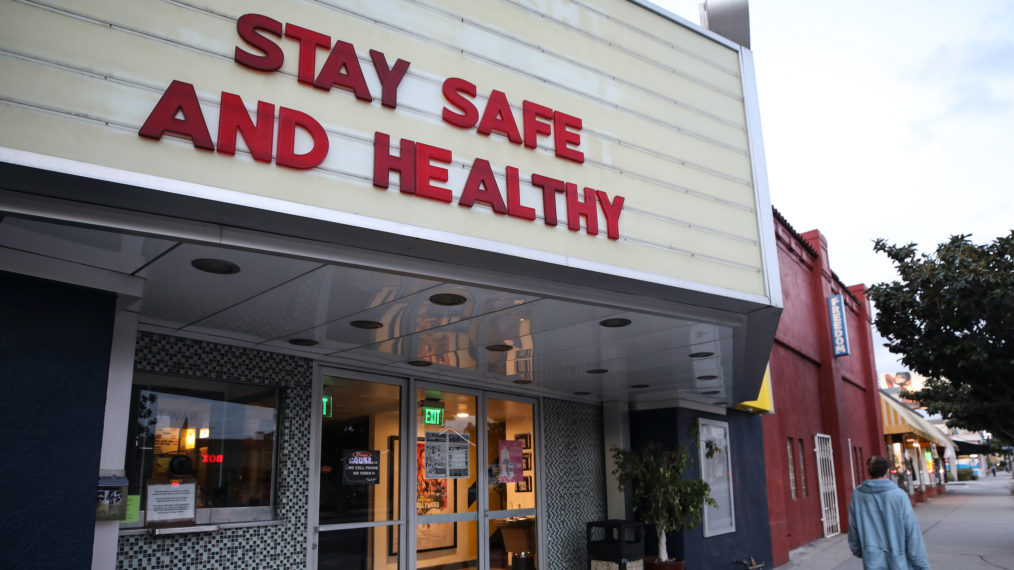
column 276, row 547
column 575, row 475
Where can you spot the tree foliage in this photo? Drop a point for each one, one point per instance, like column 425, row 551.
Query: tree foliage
column 951, row 318
column 662, row 496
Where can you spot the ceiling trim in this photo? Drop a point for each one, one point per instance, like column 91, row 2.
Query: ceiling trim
column 153, row 225
column 62, row 271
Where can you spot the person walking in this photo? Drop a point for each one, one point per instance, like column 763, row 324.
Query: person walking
column 883, row 530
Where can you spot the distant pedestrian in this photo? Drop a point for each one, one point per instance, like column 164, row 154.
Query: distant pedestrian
column 993, row 468
column 883, row 530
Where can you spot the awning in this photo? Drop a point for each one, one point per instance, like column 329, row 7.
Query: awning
column 765, row 403
column 969, row 448
column 899, row 419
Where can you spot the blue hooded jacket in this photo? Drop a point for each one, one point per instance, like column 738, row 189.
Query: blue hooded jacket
column 883, row 530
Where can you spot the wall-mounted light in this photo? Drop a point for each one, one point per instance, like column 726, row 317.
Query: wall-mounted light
column 189, row 438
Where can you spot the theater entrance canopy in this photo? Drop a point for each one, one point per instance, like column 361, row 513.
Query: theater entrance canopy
column 566, row 199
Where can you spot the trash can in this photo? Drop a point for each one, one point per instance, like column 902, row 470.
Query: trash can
column 615, row 545
column 522, row 561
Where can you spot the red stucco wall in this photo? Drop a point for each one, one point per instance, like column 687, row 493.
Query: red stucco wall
column 815, row 392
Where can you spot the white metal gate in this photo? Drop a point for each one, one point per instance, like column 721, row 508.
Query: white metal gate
column 826, row 483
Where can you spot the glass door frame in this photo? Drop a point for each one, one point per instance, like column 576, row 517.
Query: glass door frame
column 407, row 519
column 314, row 528
column 540, row 498
column 417, row 384
column 482, row 516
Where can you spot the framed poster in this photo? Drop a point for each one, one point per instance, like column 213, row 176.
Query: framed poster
column 510, row 460
column 433, row 497
column 525, row 439
column 526, row 461
column 716, row 470
column 525, row 486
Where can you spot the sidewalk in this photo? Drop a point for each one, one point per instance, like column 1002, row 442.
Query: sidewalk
column 971, row 527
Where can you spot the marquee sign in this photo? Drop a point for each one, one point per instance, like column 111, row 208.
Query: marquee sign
column 422, row 168
column 595, row 136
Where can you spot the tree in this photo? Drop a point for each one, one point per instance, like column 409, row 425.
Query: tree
column 951, row 318
column 662, row 496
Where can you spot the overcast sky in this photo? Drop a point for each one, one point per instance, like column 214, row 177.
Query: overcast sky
column 885, row 119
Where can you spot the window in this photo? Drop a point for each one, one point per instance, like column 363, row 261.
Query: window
column 802, row 469
column 857, row 467
column 792, row 469
column 716, row 470
column 220, row 436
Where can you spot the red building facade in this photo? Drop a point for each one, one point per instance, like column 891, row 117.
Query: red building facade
column 826, row 418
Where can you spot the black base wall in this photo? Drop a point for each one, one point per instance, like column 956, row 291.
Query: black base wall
column 55, row 341
column 670, row 427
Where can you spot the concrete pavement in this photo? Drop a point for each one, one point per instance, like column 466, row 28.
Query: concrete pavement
column 971, row 527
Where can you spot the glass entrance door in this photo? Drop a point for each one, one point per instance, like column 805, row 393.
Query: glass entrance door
column 510, row 519
column 359, row 475
column 445, row 480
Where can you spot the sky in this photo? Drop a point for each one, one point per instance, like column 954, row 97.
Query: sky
column 889, row 120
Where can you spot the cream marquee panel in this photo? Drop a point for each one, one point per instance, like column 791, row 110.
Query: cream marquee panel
column 662, row 111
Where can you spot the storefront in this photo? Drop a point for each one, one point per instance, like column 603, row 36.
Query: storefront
column 826, row 419
column 919, row 452
column 369, row 284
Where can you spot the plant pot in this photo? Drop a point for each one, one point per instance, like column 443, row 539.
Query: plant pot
column 652, row 563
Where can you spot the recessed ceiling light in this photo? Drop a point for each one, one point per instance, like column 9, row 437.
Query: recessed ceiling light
column 303, row 342
column 707, row 377
column 366, row 324
column 597, row 371
column 420, row 363
column 640, row 385
column 615, row 323
column 216, row 266
column 582, row 393
column 701, row 354
column 499, row 347
column 447, row 299
column 519, row 381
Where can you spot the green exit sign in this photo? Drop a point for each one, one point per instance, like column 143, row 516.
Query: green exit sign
column 327, row 406
column 433, row 416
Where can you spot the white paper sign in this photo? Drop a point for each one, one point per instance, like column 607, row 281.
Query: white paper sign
column 446, row 455
column 171, row 503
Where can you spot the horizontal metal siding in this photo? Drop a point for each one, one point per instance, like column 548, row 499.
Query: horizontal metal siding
column 681, row 163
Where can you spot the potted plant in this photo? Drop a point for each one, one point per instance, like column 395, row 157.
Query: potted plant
column 662, row 497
